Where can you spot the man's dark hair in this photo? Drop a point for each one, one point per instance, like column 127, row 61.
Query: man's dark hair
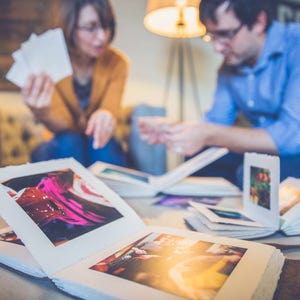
column 245, row 10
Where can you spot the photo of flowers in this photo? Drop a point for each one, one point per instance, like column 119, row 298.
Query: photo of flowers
column 260, row 186
column 62, row 204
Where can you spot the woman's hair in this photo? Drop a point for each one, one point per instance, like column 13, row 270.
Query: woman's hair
column 246, row 11
column 68, row 13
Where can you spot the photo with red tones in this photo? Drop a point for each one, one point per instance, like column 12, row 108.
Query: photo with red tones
column 62, row 204
column 10, row 237
column 188, row 268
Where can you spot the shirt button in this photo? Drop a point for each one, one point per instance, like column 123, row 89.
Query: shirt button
column 250, row 103
column 251, row 76
column 262, row 119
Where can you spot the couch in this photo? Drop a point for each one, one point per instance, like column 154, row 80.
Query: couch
column 19, row 133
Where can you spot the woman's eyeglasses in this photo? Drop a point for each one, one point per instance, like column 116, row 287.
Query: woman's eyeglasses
column 90, row 28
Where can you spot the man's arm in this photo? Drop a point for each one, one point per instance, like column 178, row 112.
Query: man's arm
column 240, row 139
column 191, row 137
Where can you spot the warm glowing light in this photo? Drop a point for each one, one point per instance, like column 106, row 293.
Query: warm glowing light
column 206, row 38
column 174, row 18
column 181, row 3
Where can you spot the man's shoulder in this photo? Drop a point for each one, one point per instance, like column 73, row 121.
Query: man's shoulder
column 291, row 43
column 292, row 32
column 292, row 26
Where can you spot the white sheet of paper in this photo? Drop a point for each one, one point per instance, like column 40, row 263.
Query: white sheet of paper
column 48, row 53
column 18, row 73
column 44, row 53
column 188, row 167
column 20, row 69
column 265, row 213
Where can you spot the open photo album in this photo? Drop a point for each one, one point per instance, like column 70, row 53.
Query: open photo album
column 267, row 206
column 131, row 183
column 72, row 228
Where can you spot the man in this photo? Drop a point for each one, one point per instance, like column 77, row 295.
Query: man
column 260, row 78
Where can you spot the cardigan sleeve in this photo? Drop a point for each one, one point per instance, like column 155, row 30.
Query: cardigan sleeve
column 115, row 85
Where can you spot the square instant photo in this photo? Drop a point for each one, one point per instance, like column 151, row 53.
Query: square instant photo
column 261, row 187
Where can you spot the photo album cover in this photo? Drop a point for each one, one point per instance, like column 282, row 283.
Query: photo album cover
column 267, row 206
column 132, row 183
column 88, row 241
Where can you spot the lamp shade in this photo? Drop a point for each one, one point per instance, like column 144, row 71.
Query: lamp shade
column 174, row 18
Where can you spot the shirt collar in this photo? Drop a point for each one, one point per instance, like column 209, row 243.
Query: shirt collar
column 274, row 45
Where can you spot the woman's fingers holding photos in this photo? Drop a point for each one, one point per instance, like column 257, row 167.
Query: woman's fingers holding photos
column 37, row 91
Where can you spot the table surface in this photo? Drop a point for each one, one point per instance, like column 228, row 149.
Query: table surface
column 14, row 285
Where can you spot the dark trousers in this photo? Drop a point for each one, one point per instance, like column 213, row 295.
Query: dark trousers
column 79, row 146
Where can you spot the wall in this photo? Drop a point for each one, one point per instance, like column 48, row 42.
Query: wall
column 288, row 10
column 149, row 53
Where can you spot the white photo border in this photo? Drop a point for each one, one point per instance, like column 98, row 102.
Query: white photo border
column 268, row 217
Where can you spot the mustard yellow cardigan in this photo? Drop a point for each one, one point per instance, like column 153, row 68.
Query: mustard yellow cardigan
column 108, row 82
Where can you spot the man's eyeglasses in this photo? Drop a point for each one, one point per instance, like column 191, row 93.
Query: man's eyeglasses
column 224, row 36
column 92, row 29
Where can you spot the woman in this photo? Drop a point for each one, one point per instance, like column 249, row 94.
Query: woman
column 82, row 110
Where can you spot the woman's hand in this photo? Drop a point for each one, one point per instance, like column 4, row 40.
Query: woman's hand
column 37, row 91
column 101, row 126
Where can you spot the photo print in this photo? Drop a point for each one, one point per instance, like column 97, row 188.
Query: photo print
column 188, row 268
column 260, row 186
column 182, row 202
column 62, row 204
column 125, row 174
column 9, row 236
column 230, row 214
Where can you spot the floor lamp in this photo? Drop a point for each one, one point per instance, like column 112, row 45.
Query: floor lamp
column 178, row 19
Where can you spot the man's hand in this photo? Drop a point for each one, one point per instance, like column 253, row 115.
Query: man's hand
column 101, row 126
column 186, row 138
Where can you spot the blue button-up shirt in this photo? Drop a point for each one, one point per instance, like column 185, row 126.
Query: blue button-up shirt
column 268, row 94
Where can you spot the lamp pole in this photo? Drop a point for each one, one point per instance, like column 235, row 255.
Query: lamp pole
column 181, row 48
column 181, row 51
column 179, row 20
